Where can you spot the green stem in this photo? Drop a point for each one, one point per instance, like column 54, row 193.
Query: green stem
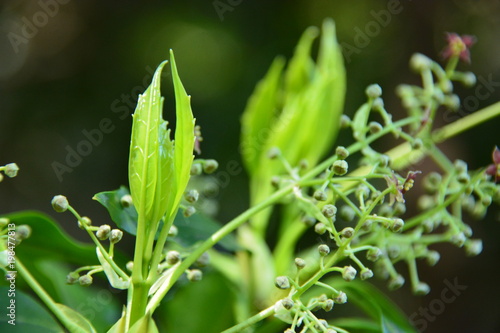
column 45, row 297
column 252, row 320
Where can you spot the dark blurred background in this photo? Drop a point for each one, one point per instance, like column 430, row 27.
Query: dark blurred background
column 69, row 68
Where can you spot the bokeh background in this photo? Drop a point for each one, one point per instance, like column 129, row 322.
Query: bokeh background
column 62, row 73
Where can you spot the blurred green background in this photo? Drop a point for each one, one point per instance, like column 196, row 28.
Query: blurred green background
column 66, row 67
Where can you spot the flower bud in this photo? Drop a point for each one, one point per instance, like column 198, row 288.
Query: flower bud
column 349, row 273
column 320, row 195
column 194, row 275
column 300, row 263
column 397, row 225
column 378, row 104
column 367, row 225
column 60, row 203
column 347, row 213
column 126, row 201
column 345, row 121
column 130, row 266
column 85, row 221
column 173, row 257
column 341, row 298
column 393, row 251
column 329, row 210
column 191, row 196
column 421, row 289
column 420, row 62
column 210, row 166
column 72, row 278
column 321, row 324
column 469, row 79
column 461, row 166
column 196, row 169
column 396, row 282
column 373, row 91
column 287, row 303
column 473, row 247
column 373, row 254
column 282, row 282
column 417, row 144
column 341, row 152
column 103, row 232
column 347, row 232
column 273, row 153
column 320, row 228
column 85, row 280
column 188, row 211
column 366, row 273
column 172, row 232
column 11, row 170
column 323, row 250
column 374, row 127
column 340, row 167
column 115, row 236
column 308, row 220
column 458, row 239
column 203, row 260
column 23, row 231
column 399, row 208
column 362, row 191
column 328, row 305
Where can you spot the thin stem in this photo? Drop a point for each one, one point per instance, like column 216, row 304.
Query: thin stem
column 252, row 320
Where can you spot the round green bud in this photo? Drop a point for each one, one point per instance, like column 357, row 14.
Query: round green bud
column 420, row 62
column 345, row 121
column 426, row 202
column 210, row 166
column 340, row 167
column 130, row 266
column 320, row 228
column 469, row 79
column 329, row 210
column 378, row 104
column 432, row 257
column 467, row 230
column 85, row 280
column 386, row 210
column 393, row 251
column 396, row 282
column 384, row 161
column 367, row 225
column 189, row 211
column 194, row 275
column 308, row 220
column 323, row 250
column 287, row 303
column 463, row 178
column 282, row 282
column 373, row 91
column 486, row 200
column 115, row 236
column 23, row 231
column 341, row 152
column 362, row 191
column 446, row 86
column 340, row 298
column 273, row 153
column 191, row 196
column 399, row 208
column 374, row 127
column 173, row 231
column 452, row 101
column 203, row 260
column 11, row 170
column 103, row 232
column 60, row 203
column 373, row 254
column 72, row 278
column 321, row 324
column 300, row 263
column 126, row 201
column 349, row 273
column 428, row 225
column 85, row 221
column 473, row 247
column 458, row 239
column 366, row 273
column 417, row 144
column 328, row 305
column 275, row 181
column 196, row 169
column 347, row 213
column 320, row 195
column 3, row 222
column 397, row 225
column 421, row 289
column 173, row 257
column 347, row 232
column 461, row 166
column 432, row 182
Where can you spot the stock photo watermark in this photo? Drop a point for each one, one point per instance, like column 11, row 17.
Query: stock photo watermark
column 223, row 6
column 31, row 25
column 420, row 319
column 11, row 273
column 121, row 107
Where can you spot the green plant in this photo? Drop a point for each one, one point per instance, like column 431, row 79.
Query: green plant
column 290, row 124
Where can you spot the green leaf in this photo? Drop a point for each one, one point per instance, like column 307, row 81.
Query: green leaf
column 119, row 326
column 79, row 323
column 184, row 135
column 148, row 169
column 113, row 278
column 30, row 315
column 259, row 114
column 357, row 324
column 145, row 324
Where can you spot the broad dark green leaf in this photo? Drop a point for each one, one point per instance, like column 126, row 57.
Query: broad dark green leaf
column 30, row 315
